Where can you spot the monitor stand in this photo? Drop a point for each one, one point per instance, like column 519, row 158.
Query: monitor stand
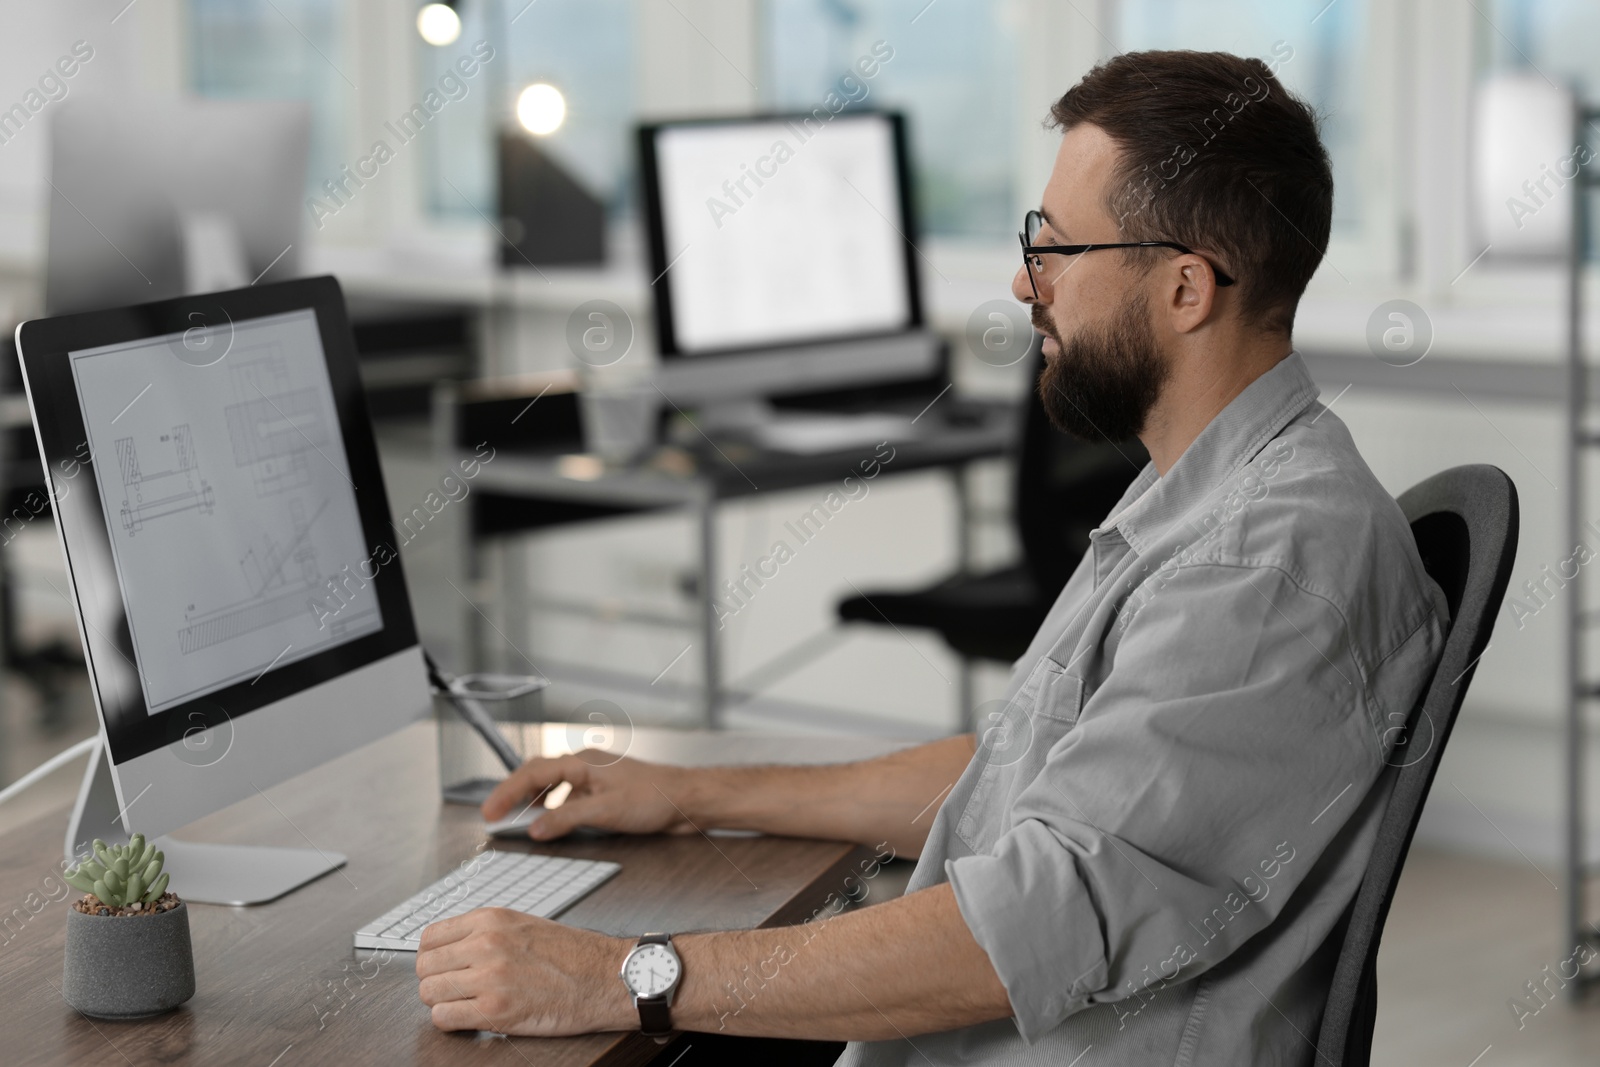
column 201, row 873
column 213, row 253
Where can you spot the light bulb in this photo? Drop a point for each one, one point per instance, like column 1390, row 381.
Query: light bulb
column 541, row 108
column 439, row 24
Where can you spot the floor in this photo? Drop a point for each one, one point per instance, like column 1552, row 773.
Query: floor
column 1464, row 937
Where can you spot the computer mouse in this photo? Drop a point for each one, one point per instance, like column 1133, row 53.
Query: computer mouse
column 516, row 826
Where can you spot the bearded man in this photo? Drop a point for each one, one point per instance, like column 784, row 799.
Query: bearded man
column 1150, row 856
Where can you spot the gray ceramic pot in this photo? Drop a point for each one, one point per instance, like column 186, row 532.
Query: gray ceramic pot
column 128, row 966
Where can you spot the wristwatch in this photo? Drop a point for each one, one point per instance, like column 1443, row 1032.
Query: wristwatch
column 651, row 972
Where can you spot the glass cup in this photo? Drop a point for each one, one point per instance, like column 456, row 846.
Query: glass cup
column 619, row 422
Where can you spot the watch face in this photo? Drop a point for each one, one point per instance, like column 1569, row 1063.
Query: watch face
column 650, row 970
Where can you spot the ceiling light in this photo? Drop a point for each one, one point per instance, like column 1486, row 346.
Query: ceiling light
column 439, row 24
column 541, row 108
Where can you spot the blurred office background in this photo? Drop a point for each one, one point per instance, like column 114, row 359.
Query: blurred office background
column 1407, row 90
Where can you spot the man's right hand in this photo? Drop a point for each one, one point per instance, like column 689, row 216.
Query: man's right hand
column 625, row 795
column 888, row 800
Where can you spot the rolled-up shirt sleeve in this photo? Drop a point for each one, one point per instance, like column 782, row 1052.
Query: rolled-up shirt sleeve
column 1238, row 730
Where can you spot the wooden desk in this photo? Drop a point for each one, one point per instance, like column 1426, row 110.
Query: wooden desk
column 280, row 985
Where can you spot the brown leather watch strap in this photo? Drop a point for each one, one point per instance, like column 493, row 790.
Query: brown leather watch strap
column 655, row 1018
column 655, row 1015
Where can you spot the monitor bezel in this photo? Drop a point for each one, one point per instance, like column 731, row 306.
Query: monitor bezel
column 43, row 347
column 660, row 260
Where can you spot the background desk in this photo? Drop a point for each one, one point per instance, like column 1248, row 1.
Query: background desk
column 520, row 493
column 280, row 984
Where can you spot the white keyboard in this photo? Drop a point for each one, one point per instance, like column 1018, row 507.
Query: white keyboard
column 537, row 885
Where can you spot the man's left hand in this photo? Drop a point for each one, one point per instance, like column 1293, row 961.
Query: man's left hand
column 500, row 970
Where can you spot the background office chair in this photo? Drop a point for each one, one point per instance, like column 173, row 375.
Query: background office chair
column 1063, row 488
column 1465, row 524
column 51, row 669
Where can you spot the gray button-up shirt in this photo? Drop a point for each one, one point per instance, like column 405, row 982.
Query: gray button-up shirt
column 1176, row 800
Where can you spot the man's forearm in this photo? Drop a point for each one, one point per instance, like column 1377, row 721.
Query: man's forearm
column 905, row 967
column 889, row 799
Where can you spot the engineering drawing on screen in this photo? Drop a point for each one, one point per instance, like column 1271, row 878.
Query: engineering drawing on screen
column 274, row 428
column 150, row 496
column 228, row 555
column 282, row 579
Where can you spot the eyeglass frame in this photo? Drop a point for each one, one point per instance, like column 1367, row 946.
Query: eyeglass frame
column 1028, row 251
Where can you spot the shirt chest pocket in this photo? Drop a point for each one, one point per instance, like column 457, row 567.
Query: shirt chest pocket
column 1014, row 740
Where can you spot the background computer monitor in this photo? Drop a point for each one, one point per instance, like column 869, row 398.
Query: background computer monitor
column 135, row 181
column 227, row 536
column 782, row 253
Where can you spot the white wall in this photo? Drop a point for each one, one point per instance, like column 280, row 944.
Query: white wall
column 1500, row 781
column 696, row 57
column 136, row 49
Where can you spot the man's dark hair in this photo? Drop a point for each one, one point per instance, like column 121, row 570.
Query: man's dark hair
column 1217, row 155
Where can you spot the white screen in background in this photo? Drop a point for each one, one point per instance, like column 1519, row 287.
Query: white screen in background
column 228, row 501
column 813, row 252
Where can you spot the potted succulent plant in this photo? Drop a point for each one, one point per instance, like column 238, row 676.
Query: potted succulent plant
column 128, row 950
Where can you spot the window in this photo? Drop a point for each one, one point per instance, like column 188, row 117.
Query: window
column 953, row 71
column 1554, row 38
column 278, row 49
column 582, row 47
column 1323, row 43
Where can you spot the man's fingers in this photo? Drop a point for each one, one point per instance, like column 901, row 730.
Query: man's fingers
column 538, row 775
column 443, row 959
column 580, row 811
column 451, row 999
column 444, row 987
column 447, row 931
column 459, row 1015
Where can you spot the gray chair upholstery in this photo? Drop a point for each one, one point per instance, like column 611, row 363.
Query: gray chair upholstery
column 1465, row 524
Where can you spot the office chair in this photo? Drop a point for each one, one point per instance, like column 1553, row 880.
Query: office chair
column 1063, row 488
column 1465, row 524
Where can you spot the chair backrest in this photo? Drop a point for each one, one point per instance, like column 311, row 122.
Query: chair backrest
column 1465, row 524
column 490, row 411
column 1064, row 488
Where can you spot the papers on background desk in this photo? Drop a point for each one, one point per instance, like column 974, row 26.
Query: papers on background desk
column 808, row 434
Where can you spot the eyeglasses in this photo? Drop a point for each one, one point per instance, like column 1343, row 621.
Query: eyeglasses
column 1032, row 254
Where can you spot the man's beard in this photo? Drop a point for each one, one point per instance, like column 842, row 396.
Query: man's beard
column 1102, row 384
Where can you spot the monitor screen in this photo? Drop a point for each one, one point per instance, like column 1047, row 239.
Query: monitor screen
column 228, row 499
column 779, row 231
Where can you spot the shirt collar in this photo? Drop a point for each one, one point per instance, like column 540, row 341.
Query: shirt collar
column 1229, row 441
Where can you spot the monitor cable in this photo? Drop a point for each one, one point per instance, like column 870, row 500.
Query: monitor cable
column 82, row 748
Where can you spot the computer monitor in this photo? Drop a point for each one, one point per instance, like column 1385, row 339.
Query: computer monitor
column 782, row 253
column 233, row 568
column 155, row 198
